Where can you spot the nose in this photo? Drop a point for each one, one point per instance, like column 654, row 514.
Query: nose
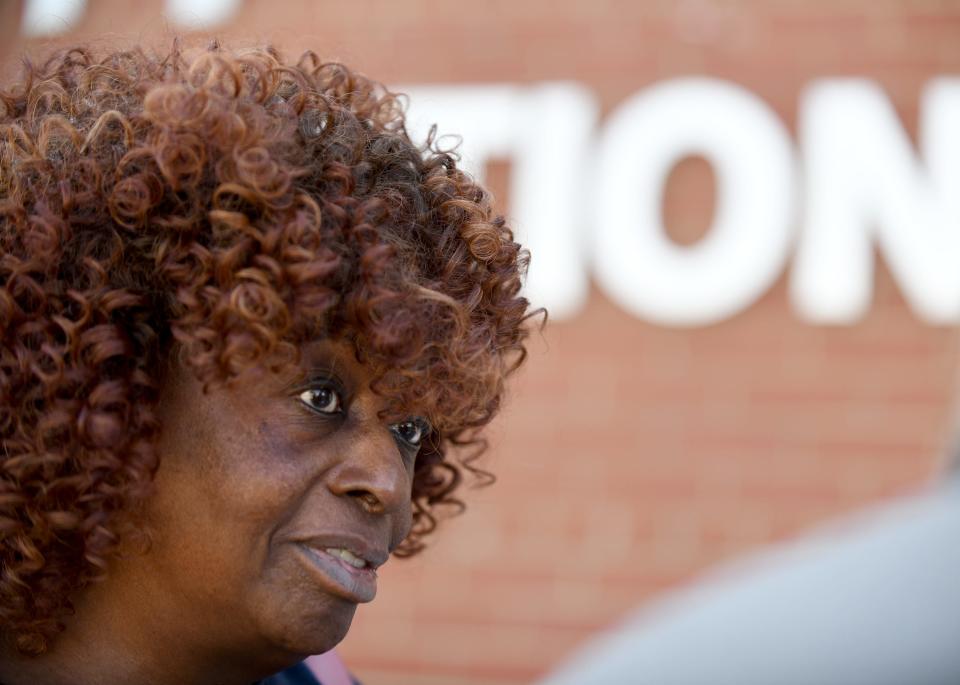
column 372, row 473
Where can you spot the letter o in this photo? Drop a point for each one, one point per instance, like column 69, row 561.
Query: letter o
column 749, row 239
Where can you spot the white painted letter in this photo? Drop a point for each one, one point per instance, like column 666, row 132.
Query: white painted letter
column 864, row 184
column 201, row 14
column 50, row 17
column 747, row 244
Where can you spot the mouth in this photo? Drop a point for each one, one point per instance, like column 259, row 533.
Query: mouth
column 343, row 570
column 346, row 555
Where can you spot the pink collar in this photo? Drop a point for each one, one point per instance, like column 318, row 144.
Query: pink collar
column 328, row 669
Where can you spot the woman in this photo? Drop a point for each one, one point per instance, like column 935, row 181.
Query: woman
column 245, row 324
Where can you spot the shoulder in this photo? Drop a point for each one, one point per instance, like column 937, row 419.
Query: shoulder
column 869, row 599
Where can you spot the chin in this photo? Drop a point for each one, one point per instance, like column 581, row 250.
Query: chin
column 314, row 632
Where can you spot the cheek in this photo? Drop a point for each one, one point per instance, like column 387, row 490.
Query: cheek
column 223, row 487
column 258, row 479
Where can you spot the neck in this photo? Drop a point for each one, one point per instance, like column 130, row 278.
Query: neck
column 133, row 642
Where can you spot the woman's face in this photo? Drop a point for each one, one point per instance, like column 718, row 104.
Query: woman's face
column 276, row 499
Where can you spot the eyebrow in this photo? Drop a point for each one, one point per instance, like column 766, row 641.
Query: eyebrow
column 324, row 363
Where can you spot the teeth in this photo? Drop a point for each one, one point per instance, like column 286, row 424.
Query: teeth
column 347, row 556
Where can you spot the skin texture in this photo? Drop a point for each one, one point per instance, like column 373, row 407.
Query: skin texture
column 225, row 593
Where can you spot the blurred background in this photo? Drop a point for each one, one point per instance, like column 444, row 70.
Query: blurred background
column 743, row 218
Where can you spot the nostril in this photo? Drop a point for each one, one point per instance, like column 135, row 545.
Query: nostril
column 369, row 501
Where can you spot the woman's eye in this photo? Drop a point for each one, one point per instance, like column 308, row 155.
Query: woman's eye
column 324, row 400
column 412, row 431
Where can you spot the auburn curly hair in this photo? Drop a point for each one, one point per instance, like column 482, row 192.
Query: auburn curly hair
column 223, row 207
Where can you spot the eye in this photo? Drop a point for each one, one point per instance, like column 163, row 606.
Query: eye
column 323, row 399
column 412, row 431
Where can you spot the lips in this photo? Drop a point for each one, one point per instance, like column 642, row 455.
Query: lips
column 343, row 565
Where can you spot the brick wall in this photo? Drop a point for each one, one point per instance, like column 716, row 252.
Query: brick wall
column 631, row 457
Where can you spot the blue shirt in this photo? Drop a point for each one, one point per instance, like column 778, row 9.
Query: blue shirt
column 298, row 675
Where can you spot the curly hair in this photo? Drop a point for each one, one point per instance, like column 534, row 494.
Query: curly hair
column 224, row 207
